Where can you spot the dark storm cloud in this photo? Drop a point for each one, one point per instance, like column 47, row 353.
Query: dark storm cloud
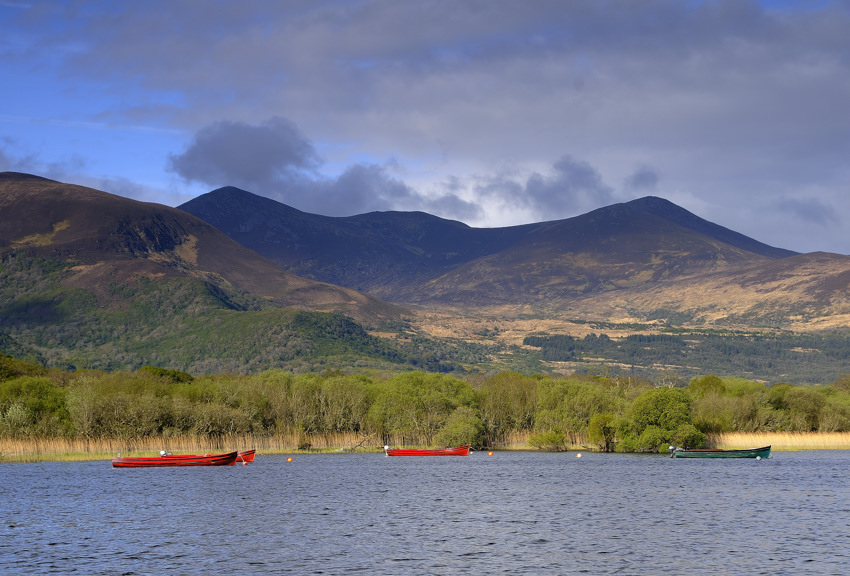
column 572, row 185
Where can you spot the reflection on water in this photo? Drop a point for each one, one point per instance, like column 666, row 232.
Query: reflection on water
column 512, row 513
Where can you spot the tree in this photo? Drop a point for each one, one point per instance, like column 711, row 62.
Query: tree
column 666, row 408
column 602, row 430
column 463, row 427
column 508, row 403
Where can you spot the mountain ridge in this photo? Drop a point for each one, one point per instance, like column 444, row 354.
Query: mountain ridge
column 417, row 258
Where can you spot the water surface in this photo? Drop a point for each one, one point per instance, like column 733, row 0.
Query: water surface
column 512, row 513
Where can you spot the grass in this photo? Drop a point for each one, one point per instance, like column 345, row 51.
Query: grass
column 783, row 441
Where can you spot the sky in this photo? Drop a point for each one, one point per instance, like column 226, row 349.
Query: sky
column 490, row 112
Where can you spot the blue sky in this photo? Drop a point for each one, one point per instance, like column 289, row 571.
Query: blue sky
column 492, row 113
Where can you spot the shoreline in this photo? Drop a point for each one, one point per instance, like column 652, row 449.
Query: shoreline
column 77, row 450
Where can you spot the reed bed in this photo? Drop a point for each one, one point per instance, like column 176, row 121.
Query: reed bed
column 78, row 449
column 783, row 441
column 518, row 440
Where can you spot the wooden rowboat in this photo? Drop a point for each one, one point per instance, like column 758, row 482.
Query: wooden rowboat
column 763, row 452
column 159, row 461
column 243, row 457
column 456, row 451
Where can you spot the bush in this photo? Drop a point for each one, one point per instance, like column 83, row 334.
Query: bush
column 687, row 436
column 653, row 439
column 665, row 408
column 15, row 423
column 602, row 431
column 463, row 427
column 548, row 441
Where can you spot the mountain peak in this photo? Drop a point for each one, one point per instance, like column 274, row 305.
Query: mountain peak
column 21, row 176
column 674, row 213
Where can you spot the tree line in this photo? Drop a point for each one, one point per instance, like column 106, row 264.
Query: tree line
column 620, row 413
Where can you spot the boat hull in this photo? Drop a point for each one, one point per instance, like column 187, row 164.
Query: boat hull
column 160, row 461
column 243, row 457
column 456, row 451
column 246, row 456
column 763, row 452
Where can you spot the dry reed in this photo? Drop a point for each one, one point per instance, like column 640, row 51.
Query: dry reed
column 72, row 449
column 783, row 441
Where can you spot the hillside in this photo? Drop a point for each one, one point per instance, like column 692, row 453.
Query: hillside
column 630, row 259
column 114, row 239
column 96, row 280
column 383, row 253
column 92, row 280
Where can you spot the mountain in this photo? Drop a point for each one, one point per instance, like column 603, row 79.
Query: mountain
column 417, row 258
column 647, row 260
column 114, row 239
column 382, row 253
column 93, row 280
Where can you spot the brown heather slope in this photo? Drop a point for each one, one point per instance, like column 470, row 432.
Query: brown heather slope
column 609, row 249
column 802, row 293
column 115, row 240
column 806, row 292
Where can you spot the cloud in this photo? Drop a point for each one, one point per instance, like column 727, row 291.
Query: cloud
column 569, row 188
column 642, row 180
column 275, row 159
column 34, row 164
column 809, row 210
column 734, row 102
column 245, row 155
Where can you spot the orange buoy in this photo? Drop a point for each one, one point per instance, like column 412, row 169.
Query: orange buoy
column 489, row 453
column 578, row 455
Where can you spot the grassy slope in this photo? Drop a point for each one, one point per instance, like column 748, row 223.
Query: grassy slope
column 177, row 323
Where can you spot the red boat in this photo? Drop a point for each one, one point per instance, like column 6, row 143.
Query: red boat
column 246, row 456
column 243, row 457
column 149, row 462
column 456, row 451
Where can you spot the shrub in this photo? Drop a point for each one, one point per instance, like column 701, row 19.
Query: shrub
column 602, row 431
column 653, row 439
column 464, row 426
column 687, row 436
column 548, row 441
column 665, row 408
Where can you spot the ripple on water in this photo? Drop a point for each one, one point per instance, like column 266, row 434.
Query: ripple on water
column 513, row 513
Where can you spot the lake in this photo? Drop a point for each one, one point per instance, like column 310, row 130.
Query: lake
column 510, row 513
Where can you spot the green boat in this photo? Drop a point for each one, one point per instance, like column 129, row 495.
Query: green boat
column 758, row 453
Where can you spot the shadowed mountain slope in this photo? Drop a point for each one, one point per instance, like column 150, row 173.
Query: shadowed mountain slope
column 417, row 258
column 381, row 253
